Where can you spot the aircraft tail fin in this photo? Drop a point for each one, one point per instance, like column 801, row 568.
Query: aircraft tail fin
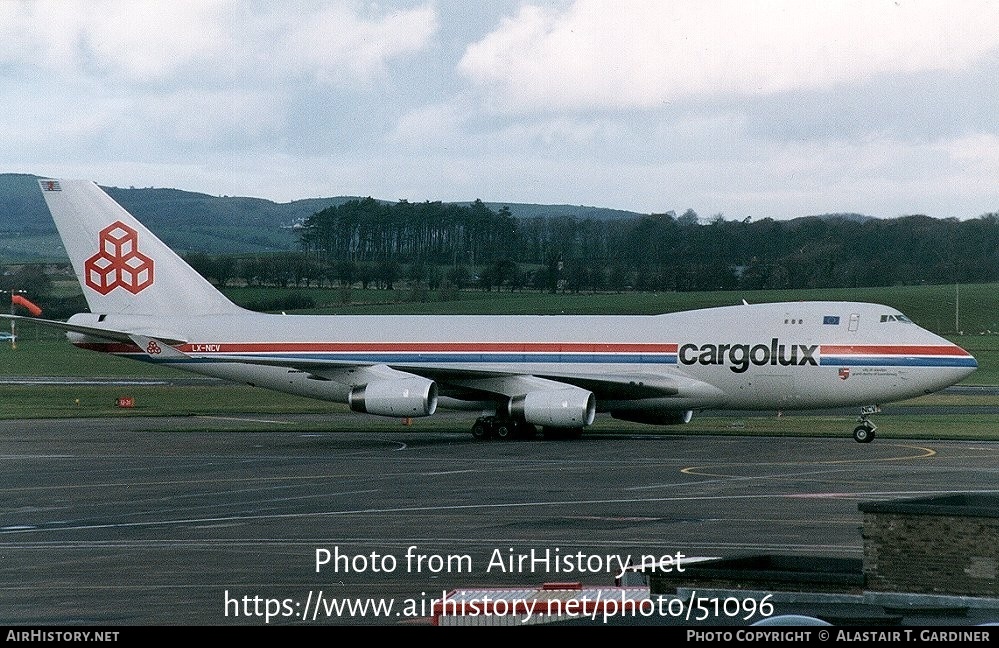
column 121, row 265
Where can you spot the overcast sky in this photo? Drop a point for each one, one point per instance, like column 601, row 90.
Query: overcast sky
column 748, row 109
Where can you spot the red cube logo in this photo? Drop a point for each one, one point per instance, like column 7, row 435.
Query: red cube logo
column 119, row 264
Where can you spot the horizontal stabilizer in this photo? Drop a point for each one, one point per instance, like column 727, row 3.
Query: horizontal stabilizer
column 90, row 331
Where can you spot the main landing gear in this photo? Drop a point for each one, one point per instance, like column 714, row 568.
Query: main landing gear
column 506, row 429
column 864, row 433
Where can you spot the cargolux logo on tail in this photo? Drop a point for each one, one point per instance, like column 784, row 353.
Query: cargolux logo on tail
column 119, row 264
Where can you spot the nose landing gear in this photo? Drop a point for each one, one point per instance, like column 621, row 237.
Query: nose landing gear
column 864, row 433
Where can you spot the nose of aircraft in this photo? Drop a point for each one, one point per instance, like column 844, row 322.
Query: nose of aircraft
column 972, row 363
column 963, row 363
column 949, row 362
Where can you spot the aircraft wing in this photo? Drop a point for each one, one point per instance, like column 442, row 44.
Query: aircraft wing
column 486, row 380
column 606, row 386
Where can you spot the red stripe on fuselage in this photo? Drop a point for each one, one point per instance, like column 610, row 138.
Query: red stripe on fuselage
column 429, row 347
column 416, row 347
column 504, row 347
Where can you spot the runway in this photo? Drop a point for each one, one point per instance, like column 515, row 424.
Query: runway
column 157, row 521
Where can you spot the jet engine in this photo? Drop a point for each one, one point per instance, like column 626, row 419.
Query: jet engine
column 564, row 408
column 413, row 396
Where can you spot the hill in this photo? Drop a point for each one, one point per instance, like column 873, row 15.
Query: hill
column 197, row 222
column 185, row 220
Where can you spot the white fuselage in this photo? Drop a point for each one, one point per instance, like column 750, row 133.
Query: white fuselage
column 790, row 355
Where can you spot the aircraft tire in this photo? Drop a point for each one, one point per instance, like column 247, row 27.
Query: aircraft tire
column 863, row 434
column 506, row 431
column 480, row 431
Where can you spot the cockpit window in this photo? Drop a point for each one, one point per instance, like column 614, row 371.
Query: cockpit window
column 899, row 317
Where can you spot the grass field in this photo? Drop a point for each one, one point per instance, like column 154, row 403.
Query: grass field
column 932, row 307
column 59, row 401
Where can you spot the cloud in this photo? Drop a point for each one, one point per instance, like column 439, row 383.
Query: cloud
column 645, row 53
column 49, row 124
column 763, row 108
column 435, row 125
column 174, row 79
column 229, row 117
column 139, row 40
column 337, row 41
column 153, row 41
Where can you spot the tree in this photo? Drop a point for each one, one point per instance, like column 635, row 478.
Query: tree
column 459, row 277
column 688, row 218
column 347, row 273
column 388, row 273
column 31, row 278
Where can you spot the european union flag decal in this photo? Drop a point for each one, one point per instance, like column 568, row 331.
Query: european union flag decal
column 830, row 319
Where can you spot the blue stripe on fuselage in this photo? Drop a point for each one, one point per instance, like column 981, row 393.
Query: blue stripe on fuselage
column 897, row 361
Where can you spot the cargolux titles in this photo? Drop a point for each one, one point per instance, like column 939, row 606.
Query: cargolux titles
column 740, row 356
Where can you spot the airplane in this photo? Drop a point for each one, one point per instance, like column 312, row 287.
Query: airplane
column 520, row 372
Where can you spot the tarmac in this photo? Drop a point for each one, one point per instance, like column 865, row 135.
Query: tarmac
column 178, row 521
